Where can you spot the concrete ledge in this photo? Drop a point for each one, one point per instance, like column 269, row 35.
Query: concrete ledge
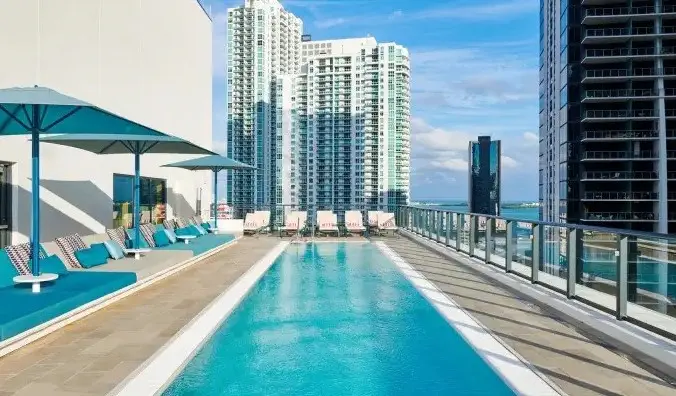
column 34, row 334
column 652, row 350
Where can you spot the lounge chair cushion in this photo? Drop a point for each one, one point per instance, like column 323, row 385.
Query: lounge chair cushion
column 201, row 230
column 206, row 226
column 52, row 265
column 7, row 270
column 68, row 292
column 143, row 244
column 114, row 250
column 93, row 256
column 189, row 231
column 171, row 235
column 161, row 239
column 202, row 244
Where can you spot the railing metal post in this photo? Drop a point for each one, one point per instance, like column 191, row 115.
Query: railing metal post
column 428, row 226
column 622, row 255
column 448, row 228
column 439, row 220
column 472, row 233
column 489, row 239
column 535, row 253
column 509, row 246
column 459, row 225
column 572, row 241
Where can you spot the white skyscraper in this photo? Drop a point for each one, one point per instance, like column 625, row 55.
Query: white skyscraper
column 345, row 125
column 263, row 42
column 326, row 122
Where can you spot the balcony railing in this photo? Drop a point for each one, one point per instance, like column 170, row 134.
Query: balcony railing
column 612, row 155
column 619, row 93
column 610, row 135
column 636, row 72
column 621, row 113
column 641, row 51
column 620, row 216
column 609, row 268
column 626, row 11
column 622, row 175
column 620, row 196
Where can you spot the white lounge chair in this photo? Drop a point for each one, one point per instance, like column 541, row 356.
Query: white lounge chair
column 293, row 224
column 373, row 219
column 252, row 223
column 327, row 221
column 386, row 222
column 265, row 220
column 354, row 222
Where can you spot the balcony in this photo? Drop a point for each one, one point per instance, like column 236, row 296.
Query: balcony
column 618, row 35
column 619, row 155
column 620, row 176
column 620, row 135
column 610, row 55
column 619, row 216
column 599, row 16
column 621, row 75
column 619, row 196
column 621, row 95
column 620, row 115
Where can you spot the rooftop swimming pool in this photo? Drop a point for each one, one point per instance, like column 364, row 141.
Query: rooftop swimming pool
column 338, row 319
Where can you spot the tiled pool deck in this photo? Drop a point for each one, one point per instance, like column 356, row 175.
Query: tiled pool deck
column 92, row 356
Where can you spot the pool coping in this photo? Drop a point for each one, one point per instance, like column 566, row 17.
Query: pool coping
column 159, row 371
column 515, row 371
column 44, row 329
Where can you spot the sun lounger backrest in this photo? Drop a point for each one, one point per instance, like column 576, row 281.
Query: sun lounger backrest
column 252, row 221
column 293, row 220
column 301, row 215
column 353, row 218
column 264, row 217
column 373, row 217
column 386, row 220
column 69, row 245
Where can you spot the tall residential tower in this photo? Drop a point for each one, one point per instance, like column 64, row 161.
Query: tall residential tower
column 345, row 125
column 608, row 113
column 263, row 43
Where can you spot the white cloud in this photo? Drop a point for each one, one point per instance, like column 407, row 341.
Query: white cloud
column 508, row 162
column 469, row 11
column 531, row 138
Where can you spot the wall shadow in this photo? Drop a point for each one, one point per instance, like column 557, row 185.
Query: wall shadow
column 53, row 222
column 86, row 196
column 179, row 205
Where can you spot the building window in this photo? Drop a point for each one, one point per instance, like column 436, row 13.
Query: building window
column 153, row 200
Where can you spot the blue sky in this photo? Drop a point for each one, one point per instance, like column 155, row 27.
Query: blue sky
column 474, row 72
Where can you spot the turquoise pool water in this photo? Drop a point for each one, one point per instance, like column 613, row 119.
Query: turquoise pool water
column 336, row 319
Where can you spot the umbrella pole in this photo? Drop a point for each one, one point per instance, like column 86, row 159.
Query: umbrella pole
column 137, row 199
column 35, row 194
column 216, row 200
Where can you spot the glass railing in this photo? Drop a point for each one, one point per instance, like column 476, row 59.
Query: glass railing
column 630, row 274
column 619, row 216
column 622, row 175
column 634, row 134
column 619, row 11
column 606, row 155
column 619, row 93
column 621, row 113
column 619, row 195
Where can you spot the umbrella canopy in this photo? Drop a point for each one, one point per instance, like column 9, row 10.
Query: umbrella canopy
column 129, row 144
column 215, row 163
column 38, row 110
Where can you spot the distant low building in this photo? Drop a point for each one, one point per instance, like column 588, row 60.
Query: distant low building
column 484, row 176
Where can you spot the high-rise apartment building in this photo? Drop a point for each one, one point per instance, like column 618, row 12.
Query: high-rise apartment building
column 327, row 123
column 263, row 43
column 345, row 130
column 608, row 113
column 484, row 176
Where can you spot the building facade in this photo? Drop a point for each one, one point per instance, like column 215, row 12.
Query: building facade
column 484, row 176
column 263, row 43
column 346, row 125
column 148, row 61
column 608, row 113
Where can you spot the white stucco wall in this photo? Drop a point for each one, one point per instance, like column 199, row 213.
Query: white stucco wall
column 146, row 60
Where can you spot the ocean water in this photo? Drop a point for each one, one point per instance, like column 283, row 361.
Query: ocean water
column 516, row 210
column 336, row 319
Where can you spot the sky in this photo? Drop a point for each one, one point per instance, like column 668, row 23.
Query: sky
column 474, row 71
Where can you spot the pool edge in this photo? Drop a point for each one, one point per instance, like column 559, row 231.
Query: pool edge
column 155, row 374
column 516, row 385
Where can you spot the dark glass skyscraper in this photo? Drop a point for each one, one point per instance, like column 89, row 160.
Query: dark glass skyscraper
column 608, row 113
column 484, row 176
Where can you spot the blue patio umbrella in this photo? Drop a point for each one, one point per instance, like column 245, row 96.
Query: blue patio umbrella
column 214, row 163
column 35, row 111
column 129, row 144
